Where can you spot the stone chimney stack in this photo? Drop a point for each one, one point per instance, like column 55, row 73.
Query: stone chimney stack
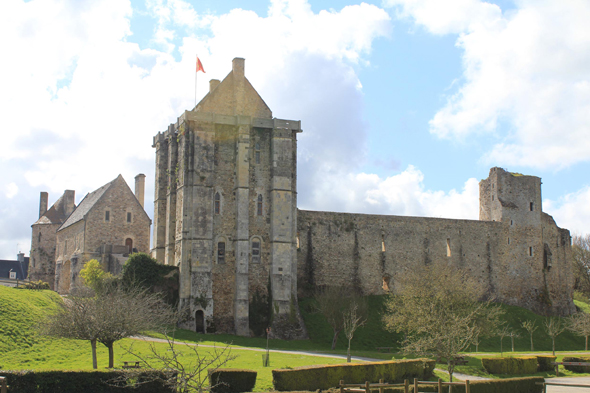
column 20, row 257
column 140, row 188
column 69, row 201
column 238, row 65
column 213, row 83
column 43, row 203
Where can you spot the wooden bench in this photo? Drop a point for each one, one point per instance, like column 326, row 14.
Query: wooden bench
column 127, row 365
column 388, row 349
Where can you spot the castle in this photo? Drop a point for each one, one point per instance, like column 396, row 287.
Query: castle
column 107, row 225
column 225, row 213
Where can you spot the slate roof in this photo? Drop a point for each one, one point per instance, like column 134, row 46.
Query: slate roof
column 56, row 214
column 85, row 205
column 21, row 269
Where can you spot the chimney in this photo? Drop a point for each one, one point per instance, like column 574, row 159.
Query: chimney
column 213, row 83
column 140, row 188
column 69, row 201
column 43, row 203
column 238, row 65
column 20, row 257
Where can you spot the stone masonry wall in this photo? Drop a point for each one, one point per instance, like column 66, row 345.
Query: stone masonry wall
column 42, row 257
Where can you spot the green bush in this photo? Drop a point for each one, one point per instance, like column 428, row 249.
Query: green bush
column 57, row 381
column 35, row 285
column 327, row 376
column 231, row 380
column 544, row 362
column 510, row 365
column 508, row 385
column 577, row 369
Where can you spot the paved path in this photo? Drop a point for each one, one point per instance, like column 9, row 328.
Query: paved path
column 570, row 381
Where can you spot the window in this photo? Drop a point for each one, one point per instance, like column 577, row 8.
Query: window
column 107, row 216
column 221, row 252
column 259, row 206
column 531, row 206
column 217, row 203
column 509, row 241
column 39, row 237
column 256, row 251
column 257, row 153
column 448, row 247
column 530, row 251
column 382, row 243
column 128, row 217
column 298, row 246
column 12, row 275
column 511, row 222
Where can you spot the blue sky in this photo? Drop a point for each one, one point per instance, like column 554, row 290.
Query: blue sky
column 405, row 105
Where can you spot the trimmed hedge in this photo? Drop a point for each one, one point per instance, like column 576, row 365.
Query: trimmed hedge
column 544, row 362
column 508, row 385
column 58, row 381
column 577, row 369
column 510, row 365
column 327, row 376
column 231, row 380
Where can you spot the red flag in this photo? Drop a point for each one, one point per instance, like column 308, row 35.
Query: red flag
column 199, row 65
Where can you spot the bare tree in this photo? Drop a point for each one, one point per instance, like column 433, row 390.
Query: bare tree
column 580, row 324
column 581, row 259
column 185, row 366
column 355, row 316
column 553, row 328
column 438, row 309
column 505, row 331
column 513, row 334
column 332, row 303
column 109, row 316
column 530, row 326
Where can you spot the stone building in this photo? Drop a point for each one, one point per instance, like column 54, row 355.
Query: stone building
column 107, row 225
column 226, row 213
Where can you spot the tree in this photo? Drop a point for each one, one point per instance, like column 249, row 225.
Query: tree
column 553, row 328
column 581, row 259
column 186, row 368
column 94, row 276
column 355, row 316
column 580, row 324
column 530, row 326
column 437, row 307
column 513, row 334
column 333, row 303
column 505, row 331
column 111, row 315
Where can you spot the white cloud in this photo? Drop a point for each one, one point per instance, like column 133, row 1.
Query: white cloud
column 11, row 190
column 526, row 68
column 571, row 211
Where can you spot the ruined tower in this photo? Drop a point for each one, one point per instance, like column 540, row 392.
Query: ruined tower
column 225, row 205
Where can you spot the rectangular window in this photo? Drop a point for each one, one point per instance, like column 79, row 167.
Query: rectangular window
column 257, row 157
column 13, row 275
column 531, row 206
column 508, row 240
column 107, row 216
column 128, row 217
column 221, row 252
column 530, row 251
column 256, row 252
column 448, row 247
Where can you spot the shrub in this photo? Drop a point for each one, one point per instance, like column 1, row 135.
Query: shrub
column 577, row 369
column 510, row 365
column 57, row 381
column 230, row 380
column 544, row 362
column 508, row 385
column 35, row 285
column 327, row 376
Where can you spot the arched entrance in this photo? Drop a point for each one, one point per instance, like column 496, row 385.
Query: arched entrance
column 129, row 244
column 200, row 322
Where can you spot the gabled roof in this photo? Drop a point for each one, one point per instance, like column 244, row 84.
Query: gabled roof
column 56, row 214
column 21, row 269
column 86, row 204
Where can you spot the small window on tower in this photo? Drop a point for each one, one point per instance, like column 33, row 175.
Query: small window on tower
column 256, row 251
column 448, row 247
column 532, row 206
column 128, row 217
column 39, row 237
column 257, row 153
column 530, row 251
column 221, row 252
column 217, row 203
column 259, row 206
column 107, row 216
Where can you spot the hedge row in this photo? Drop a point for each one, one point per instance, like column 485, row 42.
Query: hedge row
column 577, row 369
column 544, row 362
column 328, row 376
column 58, row 381
column 510, row 365
column 231, row 380
column 508, row 385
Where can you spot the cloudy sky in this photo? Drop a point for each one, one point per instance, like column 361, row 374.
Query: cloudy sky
column 405, row 104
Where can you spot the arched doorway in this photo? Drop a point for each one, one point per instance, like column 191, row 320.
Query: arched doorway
column 129, row 244
column 200, row 322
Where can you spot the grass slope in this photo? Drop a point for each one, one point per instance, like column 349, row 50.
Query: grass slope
column 20, row 313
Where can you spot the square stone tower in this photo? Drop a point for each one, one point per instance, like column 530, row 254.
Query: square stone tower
column 225, row 206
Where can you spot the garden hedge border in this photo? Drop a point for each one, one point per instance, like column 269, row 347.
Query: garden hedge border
column 231, row 380
column 510, row 365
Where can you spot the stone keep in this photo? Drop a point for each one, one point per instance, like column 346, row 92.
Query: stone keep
column 225, row 205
